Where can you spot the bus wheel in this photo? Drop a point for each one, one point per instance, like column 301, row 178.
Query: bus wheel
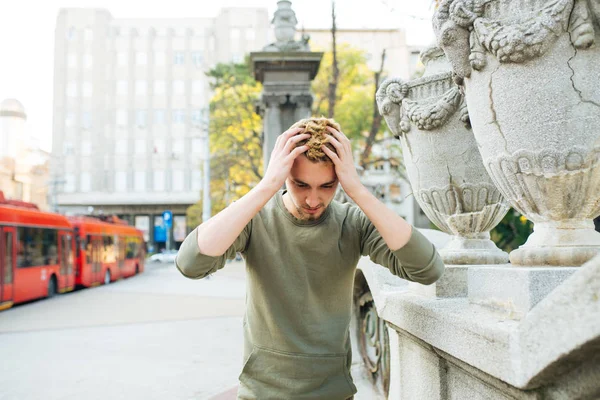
column 52, row 286
column 107, row 277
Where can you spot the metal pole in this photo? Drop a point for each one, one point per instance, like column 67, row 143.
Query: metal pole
column 206, row 205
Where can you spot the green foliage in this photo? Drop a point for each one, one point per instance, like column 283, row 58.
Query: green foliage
column 512, row 231
column 354, row 97
column 235, row 136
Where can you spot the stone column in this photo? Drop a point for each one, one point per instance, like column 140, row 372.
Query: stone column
column 303, row 105
column 272, row 123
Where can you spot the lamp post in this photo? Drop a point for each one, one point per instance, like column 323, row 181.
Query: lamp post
column 206, row 204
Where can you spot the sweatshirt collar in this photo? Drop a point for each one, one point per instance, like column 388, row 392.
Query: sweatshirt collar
column 294, row 220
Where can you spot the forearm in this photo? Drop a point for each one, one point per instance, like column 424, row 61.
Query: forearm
column 394, row 230
column 217, row 234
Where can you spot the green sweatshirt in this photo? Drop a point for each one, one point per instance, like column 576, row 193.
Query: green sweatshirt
column 300, row 277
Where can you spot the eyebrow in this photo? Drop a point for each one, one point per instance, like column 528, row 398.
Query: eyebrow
column 325, row 184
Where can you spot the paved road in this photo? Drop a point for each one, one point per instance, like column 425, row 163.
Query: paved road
column 154, row 336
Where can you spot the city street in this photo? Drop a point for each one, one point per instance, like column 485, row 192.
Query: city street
column 154, row 336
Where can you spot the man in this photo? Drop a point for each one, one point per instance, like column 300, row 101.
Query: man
column 301, row 250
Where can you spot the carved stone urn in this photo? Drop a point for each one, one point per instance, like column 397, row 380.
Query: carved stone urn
column 531, row 72
column 285, row 22
column 444, row 167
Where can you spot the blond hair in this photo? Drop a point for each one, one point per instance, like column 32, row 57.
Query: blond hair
column 317, row 128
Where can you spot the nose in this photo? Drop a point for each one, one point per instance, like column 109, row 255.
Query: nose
column 312, row 200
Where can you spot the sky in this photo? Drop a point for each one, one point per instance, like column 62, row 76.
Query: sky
column 27, row 36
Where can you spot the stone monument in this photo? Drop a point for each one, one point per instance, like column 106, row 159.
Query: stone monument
column 286, row 69
column 530, row 72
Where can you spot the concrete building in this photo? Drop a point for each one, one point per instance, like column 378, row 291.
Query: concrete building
column 401, row 60
column 130, row 109
column 24, row 172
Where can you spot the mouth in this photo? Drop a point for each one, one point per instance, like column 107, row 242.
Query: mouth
column 311, row 210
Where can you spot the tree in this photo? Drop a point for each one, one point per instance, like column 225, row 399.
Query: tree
column 355, row 106
column 236, row 136
column 512, row 231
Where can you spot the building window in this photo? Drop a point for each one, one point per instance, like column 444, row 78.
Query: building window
column 178, row 87
column 87, row 60
column 196, row 180
column 140, row 118
column 85, row 182
column 88, row 34
column 197, row 58
column 235, row 34
column 86, row 119
column 70, row 119
column 179, row 116
column 121, row 117
column 159, row 117
column 178, row 146
column 140, row 146
column 120, row 181
column 237, row 58
column 159, row 180
column 122, row 87
column 179, row 58
column 196, row 117
column 139, row 183
column 71, row 33
column 159, row 59
column 159, row 87
column 159, row 146
column 87, row 89
column 72, row 60
column 141, row 58
column 68, row 149
column 250, row 35
column 72, row 89
column 141, row 87
column 177, row 180
column 198, row 87
column 69, row 183
column 122, row 59
column 86, row 147
column 121, row 146
column 196, row 146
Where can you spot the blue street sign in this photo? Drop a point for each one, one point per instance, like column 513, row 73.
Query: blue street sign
column 168, row 218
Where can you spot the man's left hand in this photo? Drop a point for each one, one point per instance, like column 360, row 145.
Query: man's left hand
column 343, row 161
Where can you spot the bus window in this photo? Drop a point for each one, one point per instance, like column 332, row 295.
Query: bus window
column 88, row 250
column 8, row 257
column 36, row 247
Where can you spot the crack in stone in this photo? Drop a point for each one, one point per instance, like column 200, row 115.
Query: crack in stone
column 579, row 93
column 494, row 116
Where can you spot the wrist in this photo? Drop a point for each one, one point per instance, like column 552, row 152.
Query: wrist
column 268, row 186
column 356, row 191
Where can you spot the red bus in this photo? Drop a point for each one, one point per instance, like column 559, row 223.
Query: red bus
column 107, row 249
column 36, row 253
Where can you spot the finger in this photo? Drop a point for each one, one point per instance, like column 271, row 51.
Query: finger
column 291, row 143
column 297, row 151
column 338, row 146
column 283, row 138
column 338, row 135
column 331, row 154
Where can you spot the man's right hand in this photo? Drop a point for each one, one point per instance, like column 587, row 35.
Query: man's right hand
column 283, row 156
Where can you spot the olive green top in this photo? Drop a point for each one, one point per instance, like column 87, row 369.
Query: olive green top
column 300, row 277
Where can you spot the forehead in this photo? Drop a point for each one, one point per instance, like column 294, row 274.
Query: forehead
column 312, row 173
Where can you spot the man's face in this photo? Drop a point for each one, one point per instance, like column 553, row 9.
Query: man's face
column 311, row 186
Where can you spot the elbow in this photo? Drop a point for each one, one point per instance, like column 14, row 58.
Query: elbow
column 435, row 272
column 431, row 273
column 187, row 270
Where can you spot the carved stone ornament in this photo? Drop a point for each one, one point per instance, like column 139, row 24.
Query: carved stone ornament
column 285, row 23
column 531, row 75
column 444, row 167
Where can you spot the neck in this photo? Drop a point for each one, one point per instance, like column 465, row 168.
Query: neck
column 289, row 205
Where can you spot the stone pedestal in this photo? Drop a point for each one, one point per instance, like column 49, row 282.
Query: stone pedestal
column 452, row 284
column 513, row 290
column 286, row 97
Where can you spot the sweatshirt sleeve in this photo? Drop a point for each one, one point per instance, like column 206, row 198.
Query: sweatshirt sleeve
column 416, row 261
column 195, row 265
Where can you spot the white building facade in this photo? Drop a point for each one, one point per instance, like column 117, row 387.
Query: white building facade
column 130, row 109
